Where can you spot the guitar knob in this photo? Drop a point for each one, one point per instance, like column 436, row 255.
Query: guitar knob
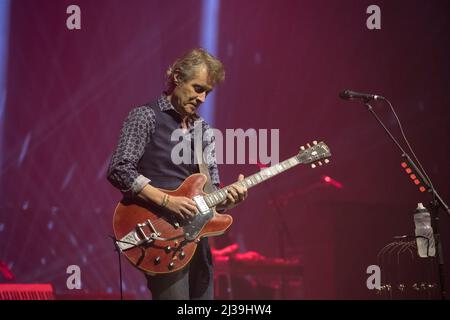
column 326, row 161
column 302, row 148
column 313, row 165
column 182, row 255
column 315, row 142
column 157, row 260
column 309, row 146
column 168, row 248
column 171, row 265
column 320, row 163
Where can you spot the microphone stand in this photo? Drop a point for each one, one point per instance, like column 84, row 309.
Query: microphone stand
column 436, row 202
column 283, row 233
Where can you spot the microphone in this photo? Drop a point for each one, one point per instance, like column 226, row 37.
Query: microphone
column 352, row 95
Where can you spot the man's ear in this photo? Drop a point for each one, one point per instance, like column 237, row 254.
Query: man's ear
column 177, row 78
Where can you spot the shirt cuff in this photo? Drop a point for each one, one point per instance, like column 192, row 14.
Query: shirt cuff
column 139, row 183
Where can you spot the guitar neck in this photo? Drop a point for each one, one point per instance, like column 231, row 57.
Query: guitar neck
column 218, row 196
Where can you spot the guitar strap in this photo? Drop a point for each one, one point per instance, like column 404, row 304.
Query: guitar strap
column 203, row 167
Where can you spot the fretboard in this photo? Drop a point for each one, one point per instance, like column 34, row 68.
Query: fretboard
column 218, row 196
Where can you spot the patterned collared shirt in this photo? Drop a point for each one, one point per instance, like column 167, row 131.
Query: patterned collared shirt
column 136, row 133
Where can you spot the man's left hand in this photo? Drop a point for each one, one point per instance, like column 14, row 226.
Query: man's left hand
column 236, row 193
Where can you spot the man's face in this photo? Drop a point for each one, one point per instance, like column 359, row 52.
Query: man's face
column 188, row 96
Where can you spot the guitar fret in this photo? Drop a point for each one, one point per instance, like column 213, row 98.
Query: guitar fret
column 220, row 195
column 223, row 195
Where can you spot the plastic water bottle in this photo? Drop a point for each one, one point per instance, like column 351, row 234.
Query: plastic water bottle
column 424, row 232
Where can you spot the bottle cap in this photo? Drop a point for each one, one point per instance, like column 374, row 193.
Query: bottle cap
column 420, row 206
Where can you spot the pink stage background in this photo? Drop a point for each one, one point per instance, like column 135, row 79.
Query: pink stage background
column 68, row 92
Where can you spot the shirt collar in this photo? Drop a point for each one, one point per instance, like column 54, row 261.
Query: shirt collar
column 166, row 105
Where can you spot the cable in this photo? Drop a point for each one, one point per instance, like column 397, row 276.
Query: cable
column 120, row 275
column 120, row 264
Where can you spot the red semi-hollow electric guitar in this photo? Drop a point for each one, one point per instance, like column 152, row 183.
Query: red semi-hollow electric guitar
column 156, row 242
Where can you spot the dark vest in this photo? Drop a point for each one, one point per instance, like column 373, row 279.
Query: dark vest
column 156, row 163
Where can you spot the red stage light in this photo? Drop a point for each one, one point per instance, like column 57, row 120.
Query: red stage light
column 332, row 182
column 261, row 165
column 408, row 170
column 413, row 176
column 417, row 181
column 404, row 164
column 422, row 189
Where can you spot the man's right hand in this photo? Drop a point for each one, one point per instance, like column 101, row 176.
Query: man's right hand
column 183, row 207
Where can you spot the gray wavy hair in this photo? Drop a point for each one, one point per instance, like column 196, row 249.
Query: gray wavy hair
column 187, row 67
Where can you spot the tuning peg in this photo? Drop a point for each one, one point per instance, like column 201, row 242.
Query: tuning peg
column 309, row 146
column 326, row 161
column 320, row 163
column 315, row 142
column 302, row 148
column 313, row 165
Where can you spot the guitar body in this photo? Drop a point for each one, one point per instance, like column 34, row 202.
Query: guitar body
column 152, row 238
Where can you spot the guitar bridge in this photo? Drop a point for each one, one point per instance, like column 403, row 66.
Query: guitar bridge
column 138, row 236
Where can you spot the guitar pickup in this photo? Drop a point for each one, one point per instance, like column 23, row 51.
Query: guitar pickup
column 201, row 204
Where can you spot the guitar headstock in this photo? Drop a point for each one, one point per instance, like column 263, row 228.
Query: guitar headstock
column 314, row 154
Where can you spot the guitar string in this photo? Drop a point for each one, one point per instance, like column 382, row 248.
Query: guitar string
column 279, row 168
column 259, row 177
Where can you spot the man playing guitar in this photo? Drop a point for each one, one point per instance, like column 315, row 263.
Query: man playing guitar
column 142, row 169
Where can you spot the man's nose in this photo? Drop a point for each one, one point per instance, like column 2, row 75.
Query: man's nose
column 202, row 97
